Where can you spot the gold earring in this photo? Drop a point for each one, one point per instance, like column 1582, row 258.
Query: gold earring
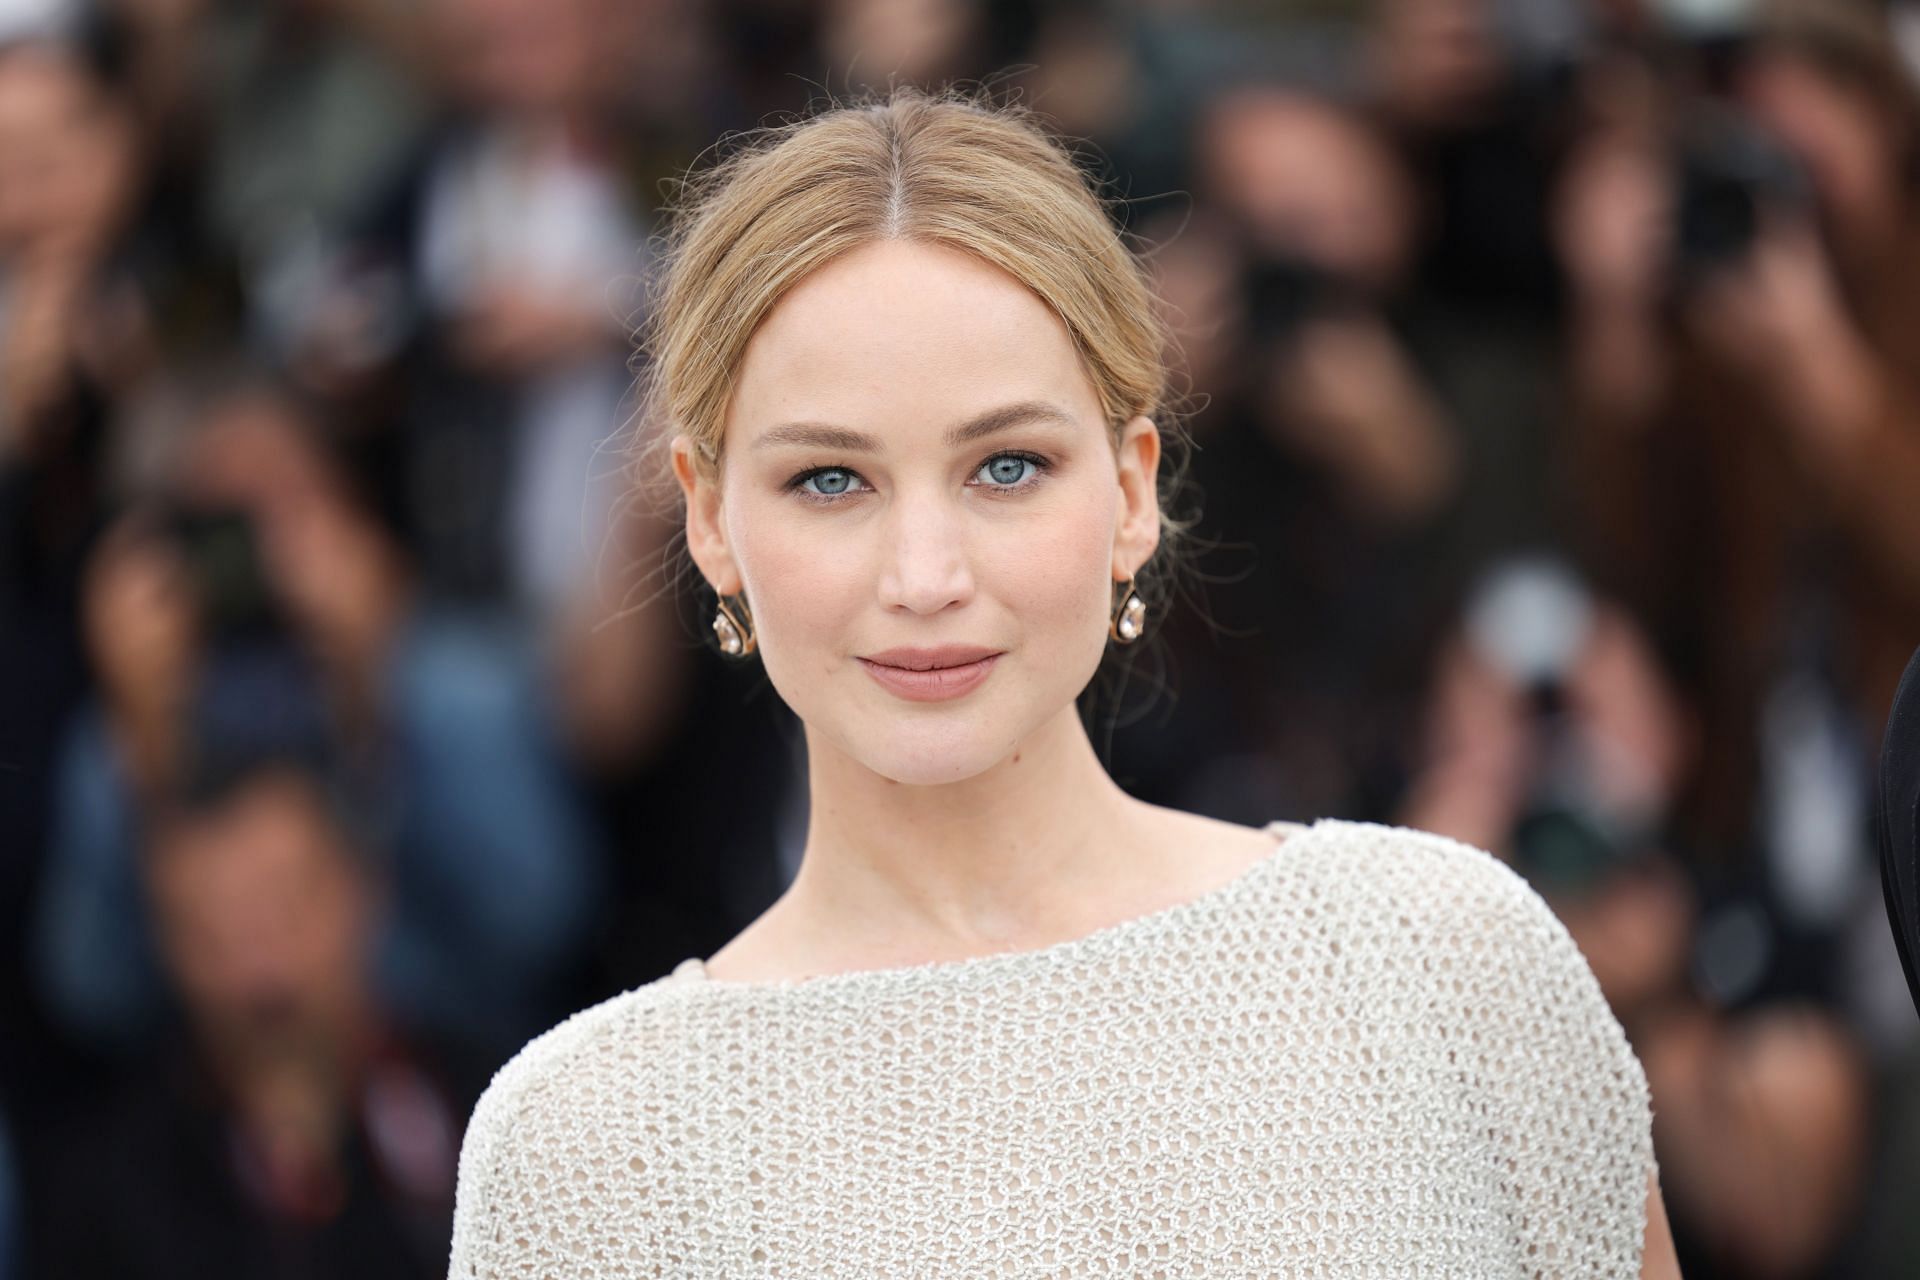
column 1129, row 618
column 734, row 630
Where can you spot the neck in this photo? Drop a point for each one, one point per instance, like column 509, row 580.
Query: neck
column 1010, row 858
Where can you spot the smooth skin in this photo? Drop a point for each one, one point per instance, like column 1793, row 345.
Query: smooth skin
column 914, row 455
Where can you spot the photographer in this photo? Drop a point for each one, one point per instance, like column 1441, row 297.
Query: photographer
column 1325, row 445
column 1744, row 271
column 259, row 556
column 303, row 1129
column 1318, row 208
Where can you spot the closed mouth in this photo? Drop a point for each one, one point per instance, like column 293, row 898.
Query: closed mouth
column 930, row 659
column 931, row 680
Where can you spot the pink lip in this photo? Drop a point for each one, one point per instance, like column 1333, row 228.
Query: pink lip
column 931, row 675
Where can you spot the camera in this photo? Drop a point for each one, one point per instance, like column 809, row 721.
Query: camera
column 1731, row 175
column 220, row 547
column 1284, row 292
column 1529, row 619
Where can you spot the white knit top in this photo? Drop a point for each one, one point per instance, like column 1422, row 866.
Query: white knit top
column 1375, row 1053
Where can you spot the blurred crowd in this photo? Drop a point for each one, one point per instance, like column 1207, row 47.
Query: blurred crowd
column 1552, row 372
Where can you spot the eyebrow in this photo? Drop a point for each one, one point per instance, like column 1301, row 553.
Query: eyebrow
column 826, row 436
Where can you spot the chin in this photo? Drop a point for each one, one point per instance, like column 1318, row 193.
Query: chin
column 928, row 745
column 930, row 755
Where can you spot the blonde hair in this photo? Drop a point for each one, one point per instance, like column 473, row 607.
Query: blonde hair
column 941, row 169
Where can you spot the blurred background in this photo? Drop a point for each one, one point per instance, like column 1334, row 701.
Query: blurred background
column 1554, row 377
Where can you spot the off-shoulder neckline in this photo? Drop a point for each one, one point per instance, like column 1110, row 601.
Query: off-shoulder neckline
column 692, row 972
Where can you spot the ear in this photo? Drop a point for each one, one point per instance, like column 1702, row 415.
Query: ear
column 1137, row 530
column 706, row 532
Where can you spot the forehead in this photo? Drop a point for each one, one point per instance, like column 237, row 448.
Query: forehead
column 36, row 86
column 272, row 817
column 901, row 338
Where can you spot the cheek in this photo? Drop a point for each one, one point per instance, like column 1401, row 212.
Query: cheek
column 1056, row 574
column 803, row 579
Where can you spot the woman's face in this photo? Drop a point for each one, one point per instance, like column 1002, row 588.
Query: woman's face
column 917, row 473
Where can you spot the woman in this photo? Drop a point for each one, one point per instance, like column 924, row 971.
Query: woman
column 1008, row 1020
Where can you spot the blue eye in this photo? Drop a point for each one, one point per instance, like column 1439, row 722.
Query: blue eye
column 829, row 482
column 1003, row 473
column 1009, row 469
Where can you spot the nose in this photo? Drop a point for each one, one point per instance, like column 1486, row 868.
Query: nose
column 925, row 566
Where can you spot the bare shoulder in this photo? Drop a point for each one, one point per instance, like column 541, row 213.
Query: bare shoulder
column 1216, row 849
column 764, row 951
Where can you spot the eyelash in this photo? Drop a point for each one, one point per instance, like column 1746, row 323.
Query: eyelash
column 1041, row 466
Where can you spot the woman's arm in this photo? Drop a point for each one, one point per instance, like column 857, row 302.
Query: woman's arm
column 1657, row 1259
